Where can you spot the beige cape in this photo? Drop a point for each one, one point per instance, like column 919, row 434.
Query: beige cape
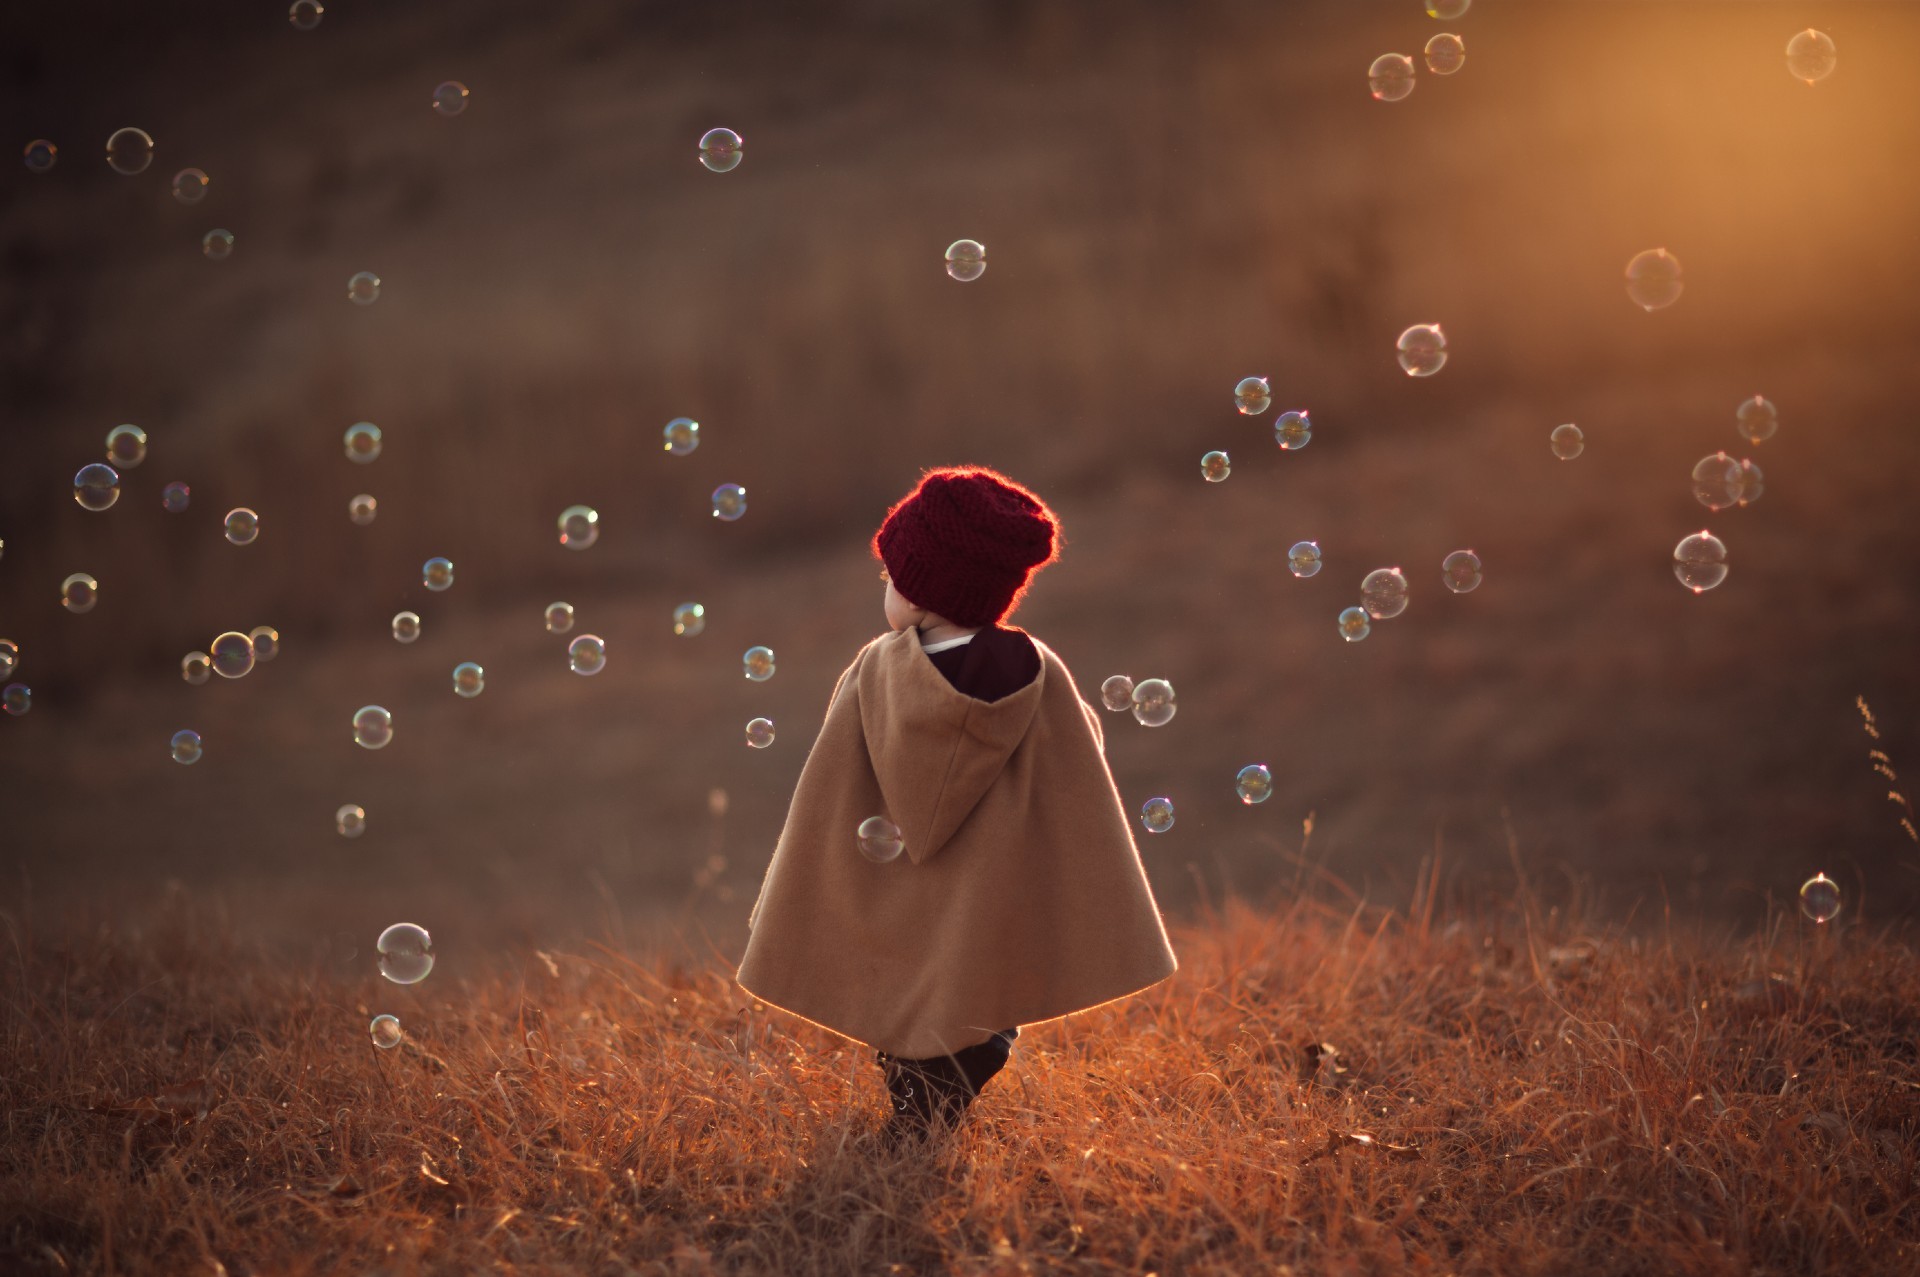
column 1020, row 897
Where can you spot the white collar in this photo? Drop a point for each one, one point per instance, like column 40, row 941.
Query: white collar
column 944, row 644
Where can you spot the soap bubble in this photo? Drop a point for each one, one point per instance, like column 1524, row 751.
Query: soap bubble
column 729, row 502
column 966, row 260
column 41, row 155
column 350, row 820
column 579, row 526
column 1567, row 442
column 720, row 150
column 96, row 487
column 1303, row 559
column 232, row 655
column 1447, row 10
column 243, row 525
column 175, row 497
column 16, row 699
column 436, row 573
column 305, row 16
column 406, row 626
column 1820, row 898
column 1252, row 396
column 1117, row 693
column 559, row 618
column 1811, row 55
column 1716, row 481
column 689, row 619
column 126, row 446
column 1461, row 571
column 385, row 1029
column 587, row 655
column 79, row 592
column 1390, row 78
column 363, row 288
column 1653, row 279
column 1215, row 466
column 758, row 663
column 217, row 244
column 1446, row 53
column 1756, row 419
column 682, row 436
column 878, row 839
column 1254, row 784
column 1752, row 483
column 1700, row 561
column 1383, row 592
column 1157, row 815
column 186, row 747
column 363, row 442
column 760, row 732
column 189, row 186
column 406, row 953
column 362, row 510
column 266, row 642
column 9, row 657
column 372, row 727
column 196, row 667
column 469, row 680
column 1292, row 431
column 1355, row 624
column 450, row 97
column 1422, row 349
column 129, row 151
column 1153, row 702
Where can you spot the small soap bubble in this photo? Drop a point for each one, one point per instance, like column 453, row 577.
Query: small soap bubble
column 450, row 97
column 126, row 446
column 1157, row 815
column 1303, row 559
column 129, row 151
column 579, row 526
column 9, row 657
column 760, row 732
column 1383, row 592
column 689, row 619
column 1252, row 396
column 469, row 680
column 189, row 186
column 196, row 667
column 1811, row 55
column 1461, row 571
column 1700, row 561
column 1447, row 10
column 363, row 288
column 966, row 260
column 406, row 953
column 1446, row 53
column 305, row 16
column 1254, row 784
column 879, row 839
column 1422, row 350
column 232, row 655
column 372, row 727
column 559, row 618
column 1153, row 702
column 720, row 150
column 186, row 747
column 1117, row 693
column 362, row 442
column 266, row 642
column 729, row 502
column 243, row 526
column 1653, row 279
column 1716, row 481
column 41, row 155
column 1390, row 78
column 217, row 244
column 1355, row 624
column 436, row 573
column 1752, row 482
column 1567, row 442
column 1820, row 898
column 96, row 487
column 1292, row 431
column 758, row 663
column 406, row 627
column 681, row 436
column 16, row 699
column 350, row 820
column 587, row 655
column 385, row 1031
column 1215, row 466
column 79, row 592
column 175, row 498
column 1756, row 419
column 362, row 510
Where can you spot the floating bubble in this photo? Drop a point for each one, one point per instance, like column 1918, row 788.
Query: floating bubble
column 758, row 663
column 1752, row 483
column 760, row 732
column 243, row 526
column 266, row 642
column 689, row 619
column 362, row 442
column 9, row 657
column 196, row 667
column 1215, row 466
column 1811, row 55
column 1446, row 53
column 126, row 446
column 406, row 627
column 1461, row 571
column 1820, row 898
column 1653, row 279
column 16, row 699
column 681, row 436
column 469, row 680
column 232, row 655
column 879, row 839
column 720, row 150
column 1716, row 481
column 1390, row 78
column 96, row 487
column 1756, row 419
column 305, row 16
column 1254, row 784
column 729, row 502
column 579, row 526
column 966, row 260
column 1447, row 10
column 1303, row 559
column 385, row 1029
column 559, row 618
column 406, row 953
column 436, row 573
column 1157, row 815
column 1153, row 702
column 1117, row 693
column 1252, row 396
column 362, row 510
column 350, row 820
column 186, row 747
column 1567, row 442
column 217, row 244
column 175, row 497
column 1383, row 592
column 450, row 97
column 372, row 727
column 41, row 155
column 363, row 288
column 79, row 592
column 189, row 186
column 129, row 151
column 1292, row 431
column 1422, row 349
column 1700, row 561
column 1355, row 624
column 587, row 655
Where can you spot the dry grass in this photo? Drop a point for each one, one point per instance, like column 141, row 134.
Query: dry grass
column 1501, row 1092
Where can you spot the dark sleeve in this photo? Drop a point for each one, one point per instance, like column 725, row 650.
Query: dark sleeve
column 998, row 662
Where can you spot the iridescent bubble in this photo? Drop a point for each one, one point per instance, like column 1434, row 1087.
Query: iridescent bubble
column 126, row 446
column 363, row 288
column 1254, row 784
column 729, row 502
column 469, row 680
column 1811, row 55
column 406, row 627
column 587, row 655
column 406, row 953
column 129, row 151
column 1716, row 481
column 1752, row 482
column 450, row 97
column 559, row 618
column 196, row 667
column 1422, row 349
column 363, row 442
column 879, row 839
column 1383, row 592
column 689, row 619
column 305, row 16
column 1215, row 466
column 1461, row 571
column 189, row 186
column 1153, row 702
column 1567, row 442
column 232, row 655
column 1303, row 559
column 436, row 573
column 760, row 732
column 1117, row 693
column 579, row 526
column 966, row 260
column 1252, row 396
column 681, row 436
column 1355, row 624
column 1653, row 279
column 217, row 244
column 1820, row 898
column 1446, row 53
column 1447, row 10
column 41, row 155
column 243, row 526
column 362, row 510
column 385, row 1029
column 1756, row 419
column 1700, row 561
column 372, row 727
column 266, row 642
column 720, row 150
column 175, row 497
column 758, row 663
column 9, row 657
column 1390, row 78
column 79, row 592
column 16, row 699
column 1157, row 815
column 1292, row 431
column 96, row 487
column 350, row 820
column 186, row 747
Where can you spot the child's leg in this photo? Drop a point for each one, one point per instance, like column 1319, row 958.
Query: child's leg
column 974, row 1067
column 943, row 1084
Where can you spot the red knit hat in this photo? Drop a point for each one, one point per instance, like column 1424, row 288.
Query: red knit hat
column 965, row 542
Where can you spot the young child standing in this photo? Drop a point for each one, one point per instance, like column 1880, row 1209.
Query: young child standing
column 1020, row 895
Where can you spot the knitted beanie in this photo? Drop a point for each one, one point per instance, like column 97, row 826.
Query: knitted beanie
column 965, row 542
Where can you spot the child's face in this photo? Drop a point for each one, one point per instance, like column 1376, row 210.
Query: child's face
column 900, row 613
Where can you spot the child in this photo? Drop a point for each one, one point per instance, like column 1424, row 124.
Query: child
column 1020, row 895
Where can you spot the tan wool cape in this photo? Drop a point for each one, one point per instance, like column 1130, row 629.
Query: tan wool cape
column 1020, row 896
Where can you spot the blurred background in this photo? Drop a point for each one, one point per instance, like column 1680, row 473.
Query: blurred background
column 1172, row 197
